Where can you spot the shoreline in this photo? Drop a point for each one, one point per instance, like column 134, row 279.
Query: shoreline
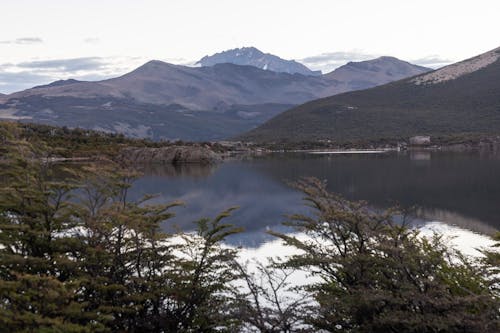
column 347, row 151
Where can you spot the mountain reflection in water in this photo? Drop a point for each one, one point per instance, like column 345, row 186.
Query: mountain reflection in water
column 461, row 189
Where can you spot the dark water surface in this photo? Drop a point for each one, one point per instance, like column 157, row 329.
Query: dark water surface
column 461, row 189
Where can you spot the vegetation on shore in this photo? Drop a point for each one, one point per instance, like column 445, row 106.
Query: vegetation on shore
column 460, row 141
column 77, row 255
column 76, row 142
column 63, row 142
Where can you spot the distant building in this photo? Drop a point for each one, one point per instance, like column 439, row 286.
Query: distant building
column 420, row 140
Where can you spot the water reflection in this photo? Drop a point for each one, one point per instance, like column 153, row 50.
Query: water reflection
column 420, row 156
column 455, row 219
column 466, row 184
column 179, row 170
column 262, row 201
column 462, row 189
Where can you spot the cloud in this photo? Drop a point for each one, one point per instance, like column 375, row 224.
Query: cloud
column 91, row 40
column 19, row 76
column 66, row 65
column 337, row 56
column 326, row 62
column 432, row 61
column 23, row 41
column 11, row 82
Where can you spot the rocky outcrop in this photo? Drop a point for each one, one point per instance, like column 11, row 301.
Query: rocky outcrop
column 420, row 140
column 170, row 155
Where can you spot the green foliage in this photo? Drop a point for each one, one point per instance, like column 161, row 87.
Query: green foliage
column 78, row 256
column 37, row 277
column 378, row 275
column 202, row 280
column 491, row 261
column 269, row 302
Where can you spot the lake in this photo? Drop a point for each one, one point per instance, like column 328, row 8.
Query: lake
column 455, row 193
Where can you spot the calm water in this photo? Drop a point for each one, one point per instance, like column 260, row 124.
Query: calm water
column 462, row 190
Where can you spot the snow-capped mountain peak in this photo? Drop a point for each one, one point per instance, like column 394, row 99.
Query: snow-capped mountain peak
column 251, row 56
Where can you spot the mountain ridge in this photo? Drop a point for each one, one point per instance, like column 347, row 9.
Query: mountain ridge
column 165, row 101
column 206, row 88
column 466, row 104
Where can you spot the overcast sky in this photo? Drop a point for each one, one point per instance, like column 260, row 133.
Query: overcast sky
column 41, row 41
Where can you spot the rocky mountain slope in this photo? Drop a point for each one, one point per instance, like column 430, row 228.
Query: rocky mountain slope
column 250, row 56
column 462, row 98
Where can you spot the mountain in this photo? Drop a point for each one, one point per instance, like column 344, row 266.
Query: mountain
column 462, row 98
column 58, row 83
column 371, row 73
column 250, row 56
column 195, row 88
column 165, row 101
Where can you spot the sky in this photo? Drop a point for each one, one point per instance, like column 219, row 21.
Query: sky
column 43, row 41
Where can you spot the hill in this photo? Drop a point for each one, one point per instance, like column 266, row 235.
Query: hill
column 462, row 98
column 371, row 73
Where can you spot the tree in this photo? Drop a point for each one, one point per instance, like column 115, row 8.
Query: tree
column 491, row 262
column 78, row 255
column 141, row 279
column 202, row 280
column 378, row 275
column 117, row 242
column 268, row 302
column 37, row 281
